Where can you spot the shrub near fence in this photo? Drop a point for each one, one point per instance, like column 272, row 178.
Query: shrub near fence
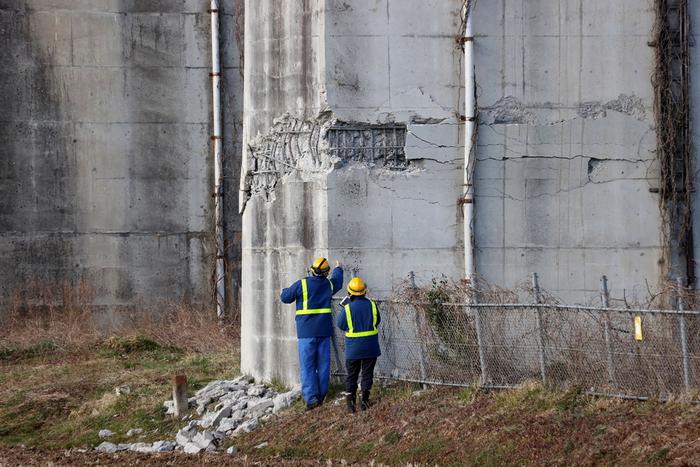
column 626, row 352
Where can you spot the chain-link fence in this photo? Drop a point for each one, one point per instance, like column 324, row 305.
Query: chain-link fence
column 615, row 351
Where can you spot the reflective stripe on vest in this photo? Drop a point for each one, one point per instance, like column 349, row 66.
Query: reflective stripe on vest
column 305, row 307
column 351, row 332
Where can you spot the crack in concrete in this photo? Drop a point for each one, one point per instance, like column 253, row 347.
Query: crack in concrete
column 560, row 191
column 565, row 158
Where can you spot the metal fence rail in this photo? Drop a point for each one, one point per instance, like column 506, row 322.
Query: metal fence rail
column 623, row 352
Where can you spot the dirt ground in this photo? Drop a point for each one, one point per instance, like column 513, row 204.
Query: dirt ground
column 16, row 456
column 526, row 426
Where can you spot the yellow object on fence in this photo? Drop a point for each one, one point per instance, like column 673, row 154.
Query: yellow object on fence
column 638, row 328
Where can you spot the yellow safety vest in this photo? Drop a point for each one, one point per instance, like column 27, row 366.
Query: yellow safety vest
column 305, row 307
column 351, row 332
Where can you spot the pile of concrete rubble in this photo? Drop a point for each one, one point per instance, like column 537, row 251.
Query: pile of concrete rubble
column 225, row 409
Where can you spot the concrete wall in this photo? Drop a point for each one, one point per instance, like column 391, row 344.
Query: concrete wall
column 566, row 145
column 105, row 159
column 352, row 63
column 565, row 154
column 284, row 53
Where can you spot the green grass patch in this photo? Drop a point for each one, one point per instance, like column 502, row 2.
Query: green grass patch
column 530, row 397
column 295, row 452
column 39, row 349
column 571, row 400
column 65, row 404
column 425, row 450
column 495, row 455
column 659, row 456
column 468, row 394
column 278, row 385
column 392, row 437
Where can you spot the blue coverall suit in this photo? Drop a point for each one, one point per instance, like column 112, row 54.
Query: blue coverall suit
column 359, row 319
column 314, row 320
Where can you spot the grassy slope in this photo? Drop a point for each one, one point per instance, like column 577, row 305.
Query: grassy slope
column 61, row 399
column 528, row 426
column 55, row 400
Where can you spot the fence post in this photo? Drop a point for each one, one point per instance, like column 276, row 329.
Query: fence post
column 683, row 334
column 540, row 330
column 605, row 298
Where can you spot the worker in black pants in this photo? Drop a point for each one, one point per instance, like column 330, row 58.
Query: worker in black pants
column 359, row 321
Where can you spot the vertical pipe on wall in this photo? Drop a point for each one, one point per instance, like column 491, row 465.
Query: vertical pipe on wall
column 220, row 287
column 469, row 146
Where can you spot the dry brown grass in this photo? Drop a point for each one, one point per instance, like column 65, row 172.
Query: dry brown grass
column 64, row 315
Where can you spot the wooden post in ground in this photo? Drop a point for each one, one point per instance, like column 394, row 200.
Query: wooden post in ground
column 180, row 395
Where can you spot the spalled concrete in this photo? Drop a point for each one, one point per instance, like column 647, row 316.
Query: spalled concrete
column 105, row 160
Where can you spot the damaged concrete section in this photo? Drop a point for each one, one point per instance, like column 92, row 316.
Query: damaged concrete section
column 507, row 110
column 626, row 104
column 314, row 147
column 380, row 145
column 290, row 145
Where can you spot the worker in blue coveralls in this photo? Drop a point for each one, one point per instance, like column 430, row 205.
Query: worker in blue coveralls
column 314, row 320
column 359, row 319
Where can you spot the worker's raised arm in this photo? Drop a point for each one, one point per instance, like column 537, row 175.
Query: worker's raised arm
column 290, row 294
column 337, row 277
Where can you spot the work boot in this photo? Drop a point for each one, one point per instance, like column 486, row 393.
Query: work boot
column 364, row 405
column 350, row 400
column 312, row 404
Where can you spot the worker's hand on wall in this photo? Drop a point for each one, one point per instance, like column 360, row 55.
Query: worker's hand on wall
column 338, row 265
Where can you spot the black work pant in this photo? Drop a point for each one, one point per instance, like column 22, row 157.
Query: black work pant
column 363, row 367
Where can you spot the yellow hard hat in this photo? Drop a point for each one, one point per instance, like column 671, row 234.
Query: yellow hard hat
column 357, row 287
column 320, row 266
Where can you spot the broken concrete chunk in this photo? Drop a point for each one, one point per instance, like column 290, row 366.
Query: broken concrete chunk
column 170, row 407
column 260, row 408
column 246, row 427
column 232, row 450
column 285, row 400
column 141, row 447
column 262, row 445
column 106, row 447
column 257, row 391
column 186, row 434
column 105, row 433
column 203, row 439
column 163, row 446
column 122, row 390
column 229, row 424
column 134, row 431
column 191, row 448
column 212, row 419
